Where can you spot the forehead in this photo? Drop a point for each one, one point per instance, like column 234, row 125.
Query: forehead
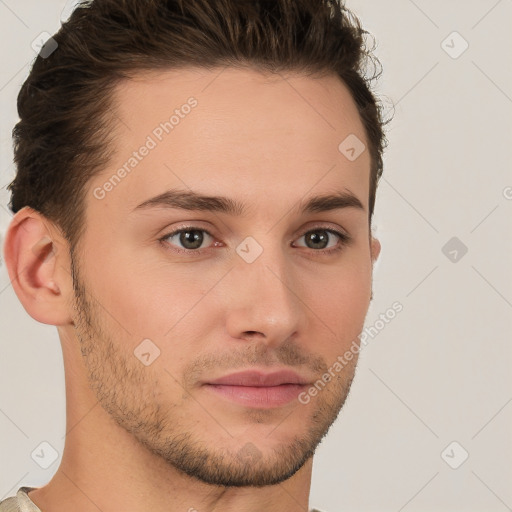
column 236, row 131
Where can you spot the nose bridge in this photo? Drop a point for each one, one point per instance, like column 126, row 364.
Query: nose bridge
column 264, row 298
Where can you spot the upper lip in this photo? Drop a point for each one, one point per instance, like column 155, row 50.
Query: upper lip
column 256, row 378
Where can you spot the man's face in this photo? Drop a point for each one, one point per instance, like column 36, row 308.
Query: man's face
column 212, row 301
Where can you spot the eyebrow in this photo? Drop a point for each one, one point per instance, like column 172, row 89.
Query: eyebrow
column 189, row 200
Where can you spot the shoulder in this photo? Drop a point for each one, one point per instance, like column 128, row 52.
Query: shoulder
column 19, row 503
column 9, row 505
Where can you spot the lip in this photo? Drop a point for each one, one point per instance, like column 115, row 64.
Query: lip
column 258, row 389
column 256, row 378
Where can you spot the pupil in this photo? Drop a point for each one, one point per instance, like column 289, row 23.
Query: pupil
column 191, row 239
column 318, row 239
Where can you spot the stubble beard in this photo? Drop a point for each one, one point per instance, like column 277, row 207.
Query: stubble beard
column 128, row 392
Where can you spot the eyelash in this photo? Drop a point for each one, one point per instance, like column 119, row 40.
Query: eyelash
column 344, row 240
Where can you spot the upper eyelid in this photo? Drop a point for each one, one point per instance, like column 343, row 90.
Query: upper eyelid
column 193, row 227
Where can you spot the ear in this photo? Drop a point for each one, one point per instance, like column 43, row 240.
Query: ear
column 38, row 263
column 374, row 253
column 374, row 249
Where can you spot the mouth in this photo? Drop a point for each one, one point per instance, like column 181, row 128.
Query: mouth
column 257, row 389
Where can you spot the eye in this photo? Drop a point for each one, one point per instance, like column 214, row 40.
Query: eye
column 190, row 239
column 320, row 238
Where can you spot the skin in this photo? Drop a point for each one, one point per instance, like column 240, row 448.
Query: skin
column 151, row 437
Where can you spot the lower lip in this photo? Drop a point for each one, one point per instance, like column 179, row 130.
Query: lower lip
column 261, row 397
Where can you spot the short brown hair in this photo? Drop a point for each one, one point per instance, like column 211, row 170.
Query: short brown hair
column 65, row 105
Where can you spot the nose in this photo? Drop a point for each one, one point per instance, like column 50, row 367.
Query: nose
column 264, row 301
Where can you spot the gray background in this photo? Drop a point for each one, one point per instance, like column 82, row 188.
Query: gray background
column 438, row 373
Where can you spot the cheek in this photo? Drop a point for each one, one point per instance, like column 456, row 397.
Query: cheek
column 341, row 302
column 151, row 300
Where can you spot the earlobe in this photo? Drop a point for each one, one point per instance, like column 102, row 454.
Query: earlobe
column 35, row 267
